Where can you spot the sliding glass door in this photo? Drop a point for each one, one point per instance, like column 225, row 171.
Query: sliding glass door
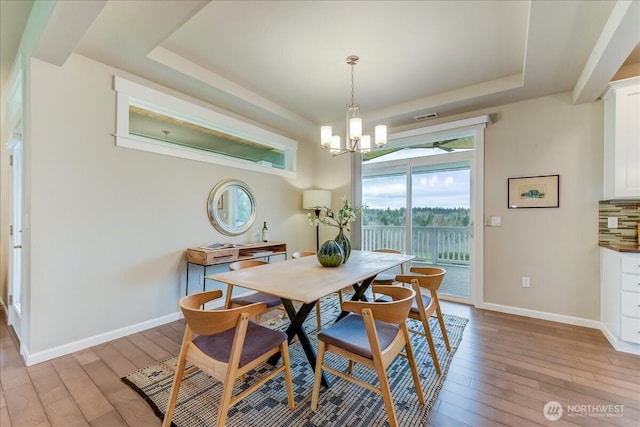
column 425, row 193
column 440, row 216
column 384, row 220
column 422, row 208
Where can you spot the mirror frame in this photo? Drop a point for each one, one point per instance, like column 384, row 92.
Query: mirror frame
column 212, row 207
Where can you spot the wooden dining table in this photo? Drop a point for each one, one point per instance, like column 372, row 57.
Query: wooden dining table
column 305, row 280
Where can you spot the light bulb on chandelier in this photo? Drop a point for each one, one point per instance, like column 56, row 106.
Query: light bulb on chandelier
column 355, row 141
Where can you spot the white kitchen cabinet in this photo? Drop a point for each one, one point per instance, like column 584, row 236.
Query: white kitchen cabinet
column 622, row 139
column 620, row 299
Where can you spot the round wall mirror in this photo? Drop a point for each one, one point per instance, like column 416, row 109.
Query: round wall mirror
column 231, row 207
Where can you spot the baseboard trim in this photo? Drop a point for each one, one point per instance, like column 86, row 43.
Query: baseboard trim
column 623, row 346
column 42, row 356
column 543, row 315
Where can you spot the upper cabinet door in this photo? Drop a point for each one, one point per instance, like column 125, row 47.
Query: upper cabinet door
column 622, row 139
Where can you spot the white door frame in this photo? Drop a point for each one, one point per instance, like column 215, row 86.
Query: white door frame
column 473, row 126
column 14, row 291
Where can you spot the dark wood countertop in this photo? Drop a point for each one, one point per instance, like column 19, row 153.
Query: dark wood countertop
column 621, row 248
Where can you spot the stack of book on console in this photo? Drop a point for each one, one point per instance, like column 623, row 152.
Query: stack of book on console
column 256, row 252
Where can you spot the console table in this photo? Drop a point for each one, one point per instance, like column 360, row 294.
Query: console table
column 206, row 257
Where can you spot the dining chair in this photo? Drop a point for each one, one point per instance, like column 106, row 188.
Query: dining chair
column 225, row 344
column 301, row 254
column 273, row 302
column 372, row 334
column 424, row 306
column 387, row 278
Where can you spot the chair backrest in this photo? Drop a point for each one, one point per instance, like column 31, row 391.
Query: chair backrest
column 239, row 265
column 210, row 322
column 428, row 277
column 395, row 311
column 389, row 251
column 302, row 254
column 392, row 251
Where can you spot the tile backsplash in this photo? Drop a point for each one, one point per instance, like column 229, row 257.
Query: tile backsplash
column 628, row 214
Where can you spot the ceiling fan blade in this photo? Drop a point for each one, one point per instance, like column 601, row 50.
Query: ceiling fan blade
column 440, row 144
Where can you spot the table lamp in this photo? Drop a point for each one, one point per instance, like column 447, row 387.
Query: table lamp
column 314, row 200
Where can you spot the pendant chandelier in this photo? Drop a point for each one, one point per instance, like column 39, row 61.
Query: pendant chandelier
column 355, row 141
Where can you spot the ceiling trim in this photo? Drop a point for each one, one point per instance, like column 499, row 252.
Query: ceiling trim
column 177, row 62
column 66, row 26
column 450, row 97
column 619, row 37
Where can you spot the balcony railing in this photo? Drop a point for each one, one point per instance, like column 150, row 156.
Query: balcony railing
column 435, row 245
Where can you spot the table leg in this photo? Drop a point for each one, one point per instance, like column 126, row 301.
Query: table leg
column 186, row 291
column 296, row 329
column 358, row 295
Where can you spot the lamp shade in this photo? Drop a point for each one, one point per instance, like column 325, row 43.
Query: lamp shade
column 381, row 135
column 355, row 127
column 325, row 136
column 316, row 198
column 365, row 143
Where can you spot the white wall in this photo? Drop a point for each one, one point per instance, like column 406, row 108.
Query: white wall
column 109, row 226
column 556, row 248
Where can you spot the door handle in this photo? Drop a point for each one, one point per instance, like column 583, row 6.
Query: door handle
column 17, row 247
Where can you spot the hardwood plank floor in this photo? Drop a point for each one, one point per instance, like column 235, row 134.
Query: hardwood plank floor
column 504, row 372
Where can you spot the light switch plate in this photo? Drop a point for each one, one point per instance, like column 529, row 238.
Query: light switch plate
column 495, row 221
column 612, row 222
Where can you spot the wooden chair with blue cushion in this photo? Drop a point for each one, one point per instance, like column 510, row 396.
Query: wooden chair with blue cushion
column 372, row 334
column 387, row 278
column 226, row 345
column 424, row 306
column 273, row 302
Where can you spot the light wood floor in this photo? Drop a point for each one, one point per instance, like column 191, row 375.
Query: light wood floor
column 506, row 369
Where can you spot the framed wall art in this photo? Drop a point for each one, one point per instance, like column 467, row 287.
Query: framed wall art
column 534, row 192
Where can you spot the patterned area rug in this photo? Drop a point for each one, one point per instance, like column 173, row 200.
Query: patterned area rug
column 344, row 404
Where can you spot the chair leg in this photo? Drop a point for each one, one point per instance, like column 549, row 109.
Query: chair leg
column 225, row 399
column 288, row 378
column 318, row 376
column 414, row 368
column 318, row 316
column 175, row 389
column 445, row 336
column 432, row 346
column 385, row 390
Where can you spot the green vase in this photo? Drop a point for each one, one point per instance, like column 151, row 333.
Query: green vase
column 330, row 254
column 343, row 241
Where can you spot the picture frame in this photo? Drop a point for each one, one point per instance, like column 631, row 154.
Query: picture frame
column 534, row 192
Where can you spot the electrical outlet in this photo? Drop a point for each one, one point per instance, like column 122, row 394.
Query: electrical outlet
column 526, row 282
column 612, row 222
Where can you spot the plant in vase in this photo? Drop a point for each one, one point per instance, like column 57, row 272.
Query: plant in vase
column 340, row 219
